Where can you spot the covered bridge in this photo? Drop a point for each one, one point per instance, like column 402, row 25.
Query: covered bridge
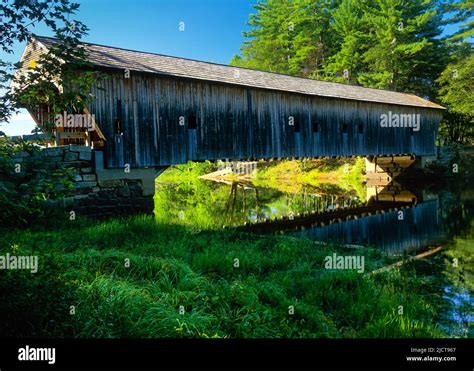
column 158, row 110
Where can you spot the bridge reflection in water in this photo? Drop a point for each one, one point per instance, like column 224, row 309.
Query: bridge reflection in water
column 393, row 219
column 419, row 228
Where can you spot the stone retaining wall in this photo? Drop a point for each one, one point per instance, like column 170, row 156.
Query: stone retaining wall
column 90, row 195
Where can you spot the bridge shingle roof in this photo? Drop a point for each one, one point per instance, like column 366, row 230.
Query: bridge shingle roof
column 118, row 58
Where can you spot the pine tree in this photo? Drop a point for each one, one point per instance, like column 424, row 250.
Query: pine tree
column 457, row 86
column 404, row 50
column 287, row 36
column 268, row 46
column 460, row 12
column 456, row 82
column 387, row 44
column 348, row 28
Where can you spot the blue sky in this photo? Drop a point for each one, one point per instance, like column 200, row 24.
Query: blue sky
column 212, row 32
column 213, row 28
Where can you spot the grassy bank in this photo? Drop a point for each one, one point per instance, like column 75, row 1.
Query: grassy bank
column 347, row 174
column 83, row 264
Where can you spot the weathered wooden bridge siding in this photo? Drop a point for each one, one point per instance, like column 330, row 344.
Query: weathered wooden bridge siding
column 237, row 122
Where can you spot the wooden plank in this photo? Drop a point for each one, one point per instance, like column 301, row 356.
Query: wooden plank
column 398, row 264
column 71, row 135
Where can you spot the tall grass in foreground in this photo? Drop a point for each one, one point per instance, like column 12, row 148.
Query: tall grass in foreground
column 83, row 264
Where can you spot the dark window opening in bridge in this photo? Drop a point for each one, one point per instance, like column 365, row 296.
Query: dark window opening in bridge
column 118, row 127
column 361, row 129
column 118, row 121
column 296, row 125
column 344, row 128
column 315, row 127
column 192, row 121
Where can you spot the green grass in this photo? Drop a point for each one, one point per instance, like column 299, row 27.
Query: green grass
column 186, row 172
column 82, row 264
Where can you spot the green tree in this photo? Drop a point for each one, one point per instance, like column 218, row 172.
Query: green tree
column 61, row 78
column 460, row 12
column 457, row 86
column 457, row 81
column 18, row 19
column 287, row 36
column 404, row 50
column 387, row 44
column 457, row 93
column 348, row 27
